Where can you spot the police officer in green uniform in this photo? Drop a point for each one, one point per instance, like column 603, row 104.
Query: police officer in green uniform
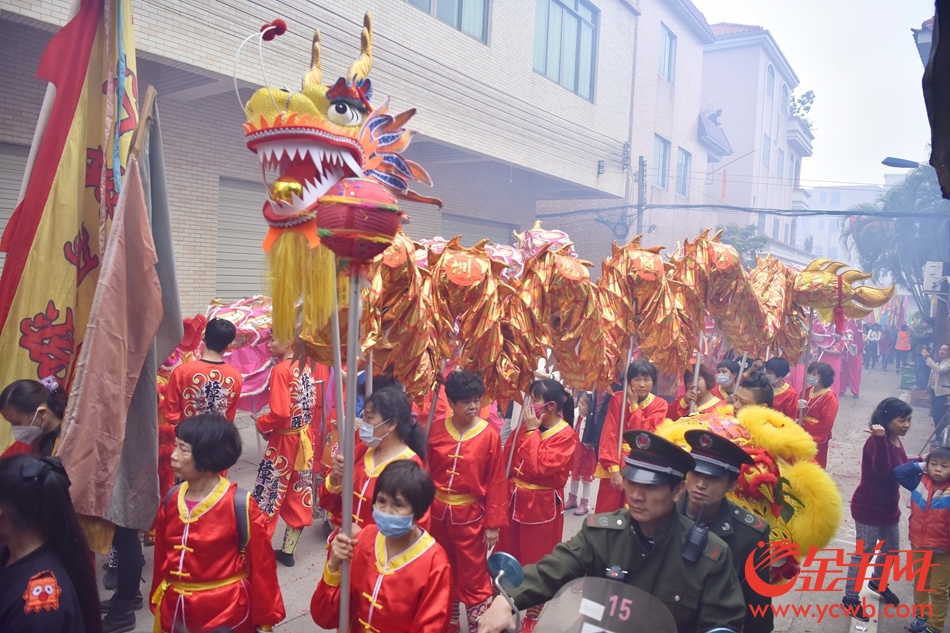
column 718, row 463
column 644, row 546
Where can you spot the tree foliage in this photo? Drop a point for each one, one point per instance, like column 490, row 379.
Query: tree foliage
column 801, row 106
column 746, row 239
column 901, row 246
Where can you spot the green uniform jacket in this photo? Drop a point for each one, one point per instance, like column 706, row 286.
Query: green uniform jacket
column 742, row 531
column 700, row 595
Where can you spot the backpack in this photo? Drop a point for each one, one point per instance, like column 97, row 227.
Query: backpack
column 241, row 515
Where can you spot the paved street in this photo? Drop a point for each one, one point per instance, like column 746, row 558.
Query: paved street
column 844, row 462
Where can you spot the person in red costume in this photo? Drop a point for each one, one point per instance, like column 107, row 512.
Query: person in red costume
column 471, row 496
column 208, row 385
column 701, row 395
column 388, row 433
column 542, row 451
column 204, row 576
column 820, row 406
column 400, row 576
column 784, row 396
column 727, row 379
column 284, row 485
column 645, row 412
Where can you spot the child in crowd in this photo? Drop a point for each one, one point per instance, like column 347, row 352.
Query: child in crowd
column 727, row 379
column 699, row 398
column 471, row 494
column 388, row 433
column 929, row 518
column 819, row 407
column 284, row 485
column 645, row 412
column 585, row 458
column 542, row 451
column 401, row 578
column 47, row 578
column 214, row 565
column 784, row 396
column 875, row 505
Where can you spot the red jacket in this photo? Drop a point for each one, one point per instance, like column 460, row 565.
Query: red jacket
column 929, row 508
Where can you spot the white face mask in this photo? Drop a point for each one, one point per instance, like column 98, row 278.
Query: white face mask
column 811, row 380
column 28, row 434
column 771, row 379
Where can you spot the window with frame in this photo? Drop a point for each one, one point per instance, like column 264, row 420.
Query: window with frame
column 766, row 150
column 780, row 163
column 791, row 168
column 565, row 43
column 835, row 198
column 788, row 232
column 770, row 81
column 784, row 98
column 667, row 53
column 468, row 16
column 684, row 162
column 661, row 161
column 761, row 223
column 775, row 227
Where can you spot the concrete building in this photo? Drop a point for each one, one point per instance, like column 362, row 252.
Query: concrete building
column 667, row 129
column 518, row 101
column 824, row 232
column 748, row 78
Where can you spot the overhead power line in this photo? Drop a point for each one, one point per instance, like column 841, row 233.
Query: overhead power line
column 726, row 207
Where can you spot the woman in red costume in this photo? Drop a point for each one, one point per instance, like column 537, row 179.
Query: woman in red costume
column 645, row 412
column 388, row 433
column 284, row 485
column 210, row 570
column 471, row 498
column 820, row 404
column 400, row 577
column 701, row 395
column 543, row 450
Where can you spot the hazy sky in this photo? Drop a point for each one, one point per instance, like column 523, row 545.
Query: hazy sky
column 860, row 59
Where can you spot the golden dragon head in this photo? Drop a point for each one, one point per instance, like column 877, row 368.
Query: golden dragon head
column 308, row 141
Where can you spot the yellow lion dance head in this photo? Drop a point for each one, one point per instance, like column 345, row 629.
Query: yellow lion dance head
column 784, row 486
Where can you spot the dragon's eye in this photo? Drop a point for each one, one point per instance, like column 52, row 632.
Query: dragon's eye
column 344, row 113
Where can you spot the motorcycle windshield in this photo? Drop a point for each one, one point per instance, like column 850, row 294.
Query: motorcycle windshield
column 601, row 605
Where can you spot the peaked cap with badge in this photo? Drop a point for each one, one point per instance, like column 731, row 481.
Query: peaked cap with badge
column 654, row 459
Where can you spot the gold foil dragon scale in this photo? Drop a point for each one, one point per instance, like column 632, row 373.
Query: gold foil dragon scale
column 820, row 285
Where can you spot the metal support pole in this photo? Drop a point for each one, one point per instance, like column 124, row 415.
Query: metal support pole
column 641, row 192
column 623, row 403
column 699, row 361
column 369, row 374
column 346, row 435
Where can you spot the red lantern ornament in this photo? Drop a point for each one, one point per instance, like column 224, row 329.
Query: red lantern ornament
column 358, row 219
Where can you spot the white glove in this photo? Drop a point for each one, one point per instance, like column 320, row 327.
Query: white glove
column 802, row 404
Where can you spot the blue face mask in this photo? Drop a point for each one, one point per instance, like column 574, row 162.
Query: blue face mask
column 392, row 525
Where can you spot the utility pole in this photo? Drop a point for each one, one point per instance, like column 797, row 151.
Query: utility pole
column 641, row 192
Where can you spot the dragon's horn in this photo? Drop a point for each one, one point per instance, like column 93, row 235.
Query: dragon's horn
column 359, row 69
column 314, row 76
column 816, row 265
column 834, row 267
column 852, row 276
column 873, row 297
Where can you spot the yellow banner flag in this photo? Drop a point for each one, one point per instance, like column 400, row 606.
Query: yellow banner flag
column 54, row 239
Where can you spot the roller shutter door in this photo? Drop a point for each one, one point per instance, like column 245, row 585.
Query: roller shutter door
column 474, row 229
column 12, row 163
column 241, row 263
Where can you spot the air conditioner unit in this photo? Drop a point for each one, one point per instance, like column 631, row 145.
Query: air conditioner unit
column 934, row 279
